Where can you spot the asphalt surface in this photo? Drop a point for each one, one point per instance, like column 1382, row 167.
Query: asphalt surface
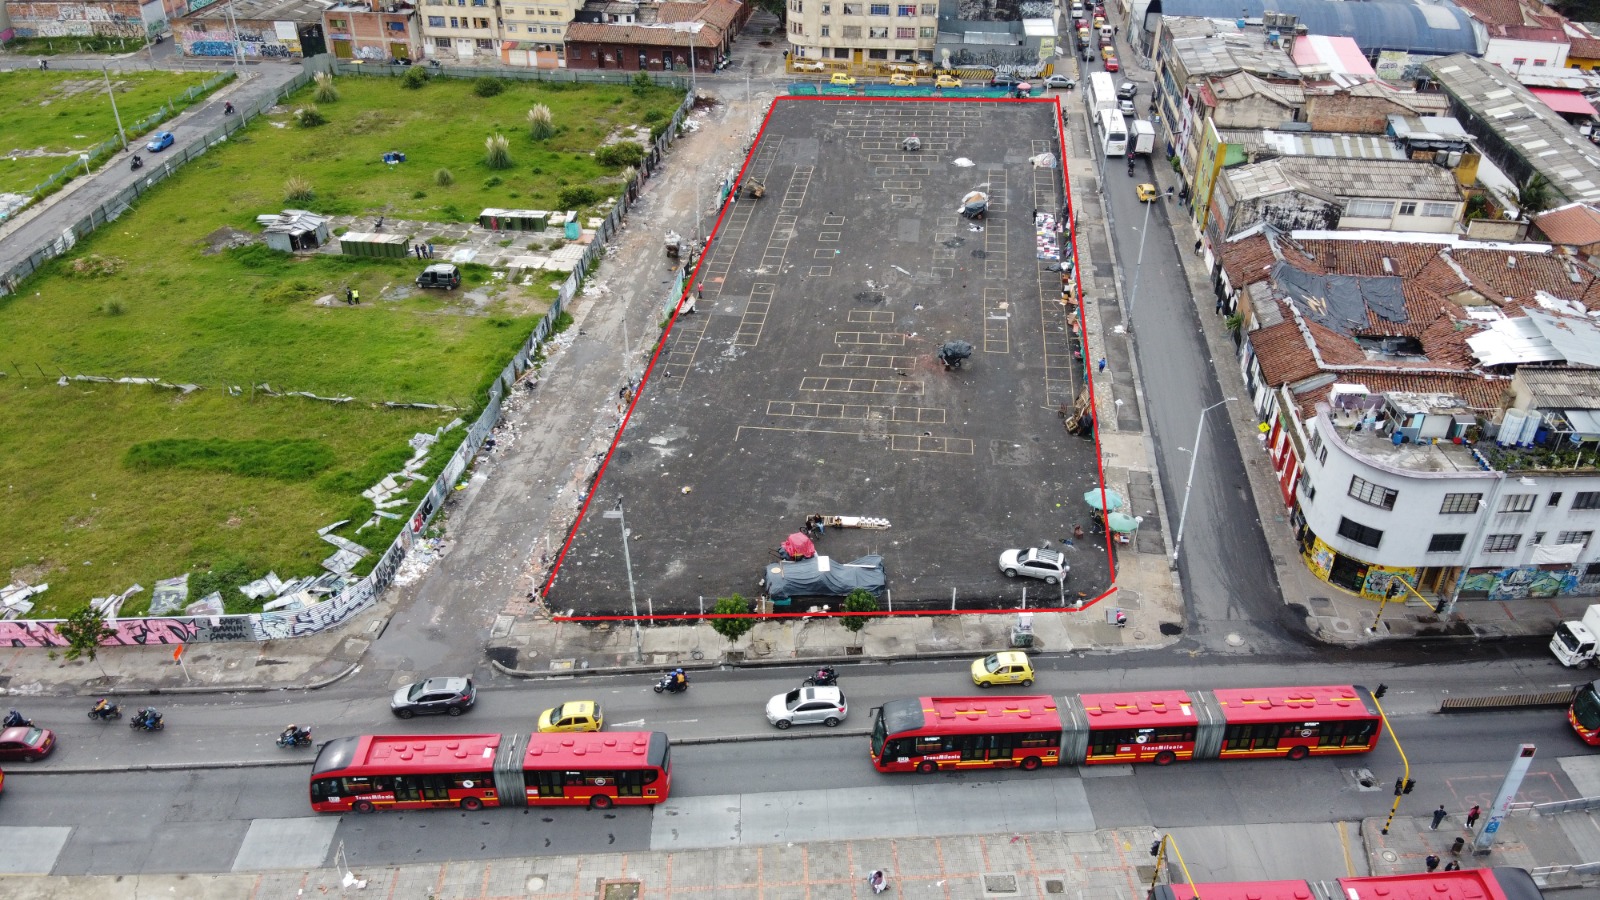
column 807, row 381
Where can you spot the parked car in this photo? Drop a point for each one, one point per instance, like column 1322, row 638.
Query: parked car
column 843, row 80
column 1061, row 82
column 808, row 706
column 1112, row 65
column 1006, row 667
column 1035, row 562
column 947, row 81
column 159, row 141
column 451, row 695
column 1127, row 90
column 1004, row 80
column 900, row 79
column 574, row 715
column 440, row 275
column 1125, row 107
column 1146, row 193
column 26, row 743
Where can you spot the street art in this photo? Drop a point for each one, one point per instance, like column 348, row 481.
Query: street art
column 1521, row 583
column 221, row 43
column 113, row 19
column 1380, row 580
column 371, row 54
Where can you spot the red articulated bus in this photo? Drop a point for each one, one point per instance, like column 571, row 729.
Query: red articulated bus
column 1161, row 727
column 1584, row 714
column 1498, row 883
column 472, row 771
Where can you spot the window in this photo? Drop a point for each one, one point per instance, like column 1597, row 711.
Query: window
column 878, row 54
column 1360, row 533
column 824, row 31
column 1581, row 538
column 930, row 9
column 436, row 21
column 879, row 9
column 1408, row 209
column 927, row 33
column 1501, row 543
column 441, row 43
column 1322, row 456
column 1519, row 61
column 1372, row 494
column 1460, row 503
column 1369, row 209
column 1518, row 503
column 827, row 9
column 1439, row 210
column 1447, row 543
column 337, row 23
column 397, row 26
column 852, row 9
column 1586, row 500
column 1555, row 499
column 905, row 34
column 907, row 9
column 844, row 52
column 851, row 32
column 877, row 33
column 485, row 44
column 1538, row 537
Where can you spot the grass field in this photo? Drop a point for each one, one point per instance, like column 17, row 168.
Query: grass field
column 93, row 506
column 52, row 116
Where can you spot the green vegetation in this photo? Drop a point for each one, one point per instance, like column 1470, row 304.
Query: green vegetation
column 859, row 600
column 83, row 631
column 732, row 629
column 488, row 87
column 497, row 152
column 292, row 460
column 620, row 155
column 541, row 122
column 309, row 117
column 65, row 113
column 325, row 91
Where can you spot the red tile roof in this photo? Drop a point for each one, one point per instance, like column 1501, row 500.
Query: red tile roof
column 1575, row 225
column 641, row 35
column 1583, row 48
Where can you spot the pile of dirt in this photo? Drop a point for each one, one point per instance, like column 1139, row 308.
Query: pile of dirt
column 225, row 238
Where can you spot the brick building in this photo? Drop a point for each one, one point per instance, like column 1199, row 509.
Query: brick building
column 373, row 30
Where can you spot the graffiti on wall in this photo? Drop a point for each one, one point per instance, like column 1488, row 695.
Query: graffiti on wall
column 253, row 44
column 43, row 19
column 1380, row 580
column 1521, row 583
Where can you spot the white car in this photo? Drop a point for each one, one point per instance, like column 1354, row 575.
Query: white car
column 1035, row 562
column 1062, row 82
column 808, row 706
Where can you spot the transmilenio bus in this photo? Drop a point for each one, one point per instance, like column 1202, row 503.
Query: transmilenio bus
column 471, row 771
column 927, row 734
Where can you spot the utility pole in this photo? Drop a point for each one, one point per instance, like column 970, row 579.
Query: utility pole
column 112, row 94
column 1502, row 801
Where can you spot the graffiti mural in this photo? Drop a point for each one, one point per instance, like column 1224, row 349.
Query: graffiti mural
column 220, row 42
column 1521, row 583
column 1380, row 579
column 117, row 18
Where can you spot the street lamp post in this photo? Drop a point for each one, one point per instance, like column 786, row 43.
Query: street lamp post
column 1403, row 784
column 113, row 95
column 1183, row 515
column 627, row 559
column 1138, row 265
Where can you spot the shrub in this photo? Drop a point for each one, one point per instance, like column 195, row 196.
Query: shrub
column 615, row 156
column 732, row 629
column 309, row 117
column 325, row 92
column 444, row 178
column 642, row 84
column 540, row 124
column 297, row 189
column 577, row 196
column 653, row 116
column 859, row 600
column 488, row 87
column 415, row 78
column 493, row 181
column 497, row 152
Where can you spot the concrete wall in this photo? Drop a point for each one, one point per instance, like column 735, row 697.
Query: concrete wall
column 107, row 18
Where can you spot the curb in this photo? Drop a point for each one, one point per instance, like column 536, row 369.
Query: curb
column 214, row 689
column 701, row 666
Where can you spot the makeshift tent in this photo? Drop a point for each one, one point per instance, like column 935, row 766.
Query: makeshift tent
column 822, row 576
column 798, row 546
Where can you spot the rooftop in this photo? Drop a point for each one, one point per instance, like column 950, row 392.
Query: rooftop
column 1224, row 51
column 1337, row 179
column 1263, row 145
column 1424, row 28
column 1576, row 224
column 263, row 10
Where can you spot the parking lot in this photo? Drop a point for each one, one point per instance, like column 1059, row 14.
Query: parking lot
column 807, row 381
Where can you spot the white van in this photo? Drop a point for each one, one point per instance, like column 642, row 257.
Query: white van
column 1077, row 9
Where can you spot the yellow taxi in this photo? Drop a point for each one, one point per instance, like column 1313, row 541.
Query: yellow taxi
column 900, row 79
column 947, row 81
column 574, row 715
column 1145, row 192
column 843, row 80
column 1005, row 667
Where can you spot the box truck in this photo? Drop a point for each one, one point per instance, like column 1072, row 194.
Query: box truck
column 1141, row 138
column 1574, row 642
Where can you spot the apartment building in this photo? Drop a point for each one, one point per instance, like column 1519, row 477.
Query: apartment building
column 462, row 30
column 860, row 33
column 535, row 32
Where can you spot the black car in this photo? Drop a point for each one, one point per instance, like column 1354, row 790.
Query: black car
column 1002, row 80
column 451, row 695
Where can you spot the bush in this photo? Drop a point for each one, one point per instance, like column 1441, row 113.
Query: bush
column 444, row 178
column 642, row 84
column 488, row 87
column 577, row 197
column 415, row 78
column 497, row 152
column 540, row 123
column 493, row 181
column 859, row 600
column 325, row 92
column 615, row 156
column 297, row 189
column 309, row 117
column 732, row 629
column 653, row 116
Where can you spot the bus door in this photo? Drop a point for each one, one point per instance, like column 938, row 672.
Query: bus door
column 436, row 788
column 548, row 784
column 406, row 789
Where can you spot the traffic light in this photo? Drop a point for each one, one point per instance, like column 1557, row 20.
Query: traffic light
column 1155, row 849
column 1410, row 783
column 1382, row 689
column 1399, row 786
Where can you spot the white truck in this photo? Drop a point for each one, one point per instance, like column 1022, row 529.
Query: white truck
column 1141, row 138
column 1574, row 643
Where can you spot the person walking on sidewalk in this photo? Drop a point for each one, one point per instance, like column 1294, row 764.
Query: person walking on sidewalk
column 1438, row 816
column 1472, row 816
column 1432, row 861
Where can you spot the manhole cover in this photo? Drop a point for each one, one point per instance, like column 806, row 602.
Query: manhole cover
column 999, row 884
column 1388, row 855
column 619, row 890
column 1055, row 886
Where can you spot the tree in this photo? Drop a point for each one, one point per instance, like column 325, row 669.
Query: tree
column 732, row 629
column 1534, row 195
column 859, row 600
column 83, row 631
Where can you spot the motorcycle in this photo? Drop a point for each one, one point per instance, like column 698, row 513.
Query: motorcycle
column 15, row 719
column 669, row 683
column 148, row 719
column 825, row 677
column 137, row 163
column 104, row 710
column 294, row 737
column 1130, row 168
column 227, row 109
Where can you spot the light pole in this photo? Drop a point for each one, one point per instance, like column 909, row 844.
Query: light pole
column 1183, row 515
column 1159, row 851
column 1138, row 266
column 638, row 645
column 1403, row 784
column 1471, row 549
column 113, row 95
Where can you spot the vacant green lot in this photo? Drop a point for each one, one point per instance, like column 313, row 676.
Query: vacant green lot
column 52, row 116
column 237, row 486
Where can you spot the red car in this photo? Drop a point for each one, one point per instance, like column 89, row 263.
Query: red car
column 1112, row 65
column 26, row 743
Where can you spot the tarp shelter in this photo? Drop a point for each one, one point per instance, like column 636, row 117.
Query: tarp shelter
column 357, row 243
column 798, row 546
column 514, row 219
column 294, row 229
column 822, row 576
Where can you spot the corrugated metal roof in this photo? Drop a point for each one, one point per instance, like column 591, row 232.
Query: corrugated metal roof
column 1338, row 145
column 1415, row 27
column 1577, row 340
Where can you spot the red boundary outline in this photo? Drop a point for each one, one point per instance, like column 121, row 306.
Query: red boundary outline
column 689, row 284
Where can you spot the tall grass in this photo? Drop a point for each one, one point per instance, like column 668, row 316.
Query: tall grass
column 541, row 124
column 497, row 152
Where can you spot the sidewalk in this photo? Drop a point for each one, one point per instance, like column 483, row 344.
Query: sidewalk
column 1111, row 862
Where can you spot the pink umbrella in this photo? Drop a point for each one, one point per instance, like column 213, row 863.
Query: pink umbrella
column 798, row 546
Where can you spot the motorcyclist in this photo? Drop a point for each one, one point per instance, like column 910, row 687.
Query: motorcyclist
column 103, row 707
column 227, row 109
column 15, row 719
column 148, row 717
column 679, row 680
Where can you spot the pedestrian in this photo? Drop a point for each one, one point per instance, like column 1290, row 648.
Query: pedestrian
column 1438, row 816
column 1452, row 866
column 1102, row 364
column 1122, row 619
column 430, row 251
column 1472, row 816
column 349, row 296
column 1432, row 861
column 1197, row 246
column 355, row 297
column 44, row 64
column 1219, row 306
